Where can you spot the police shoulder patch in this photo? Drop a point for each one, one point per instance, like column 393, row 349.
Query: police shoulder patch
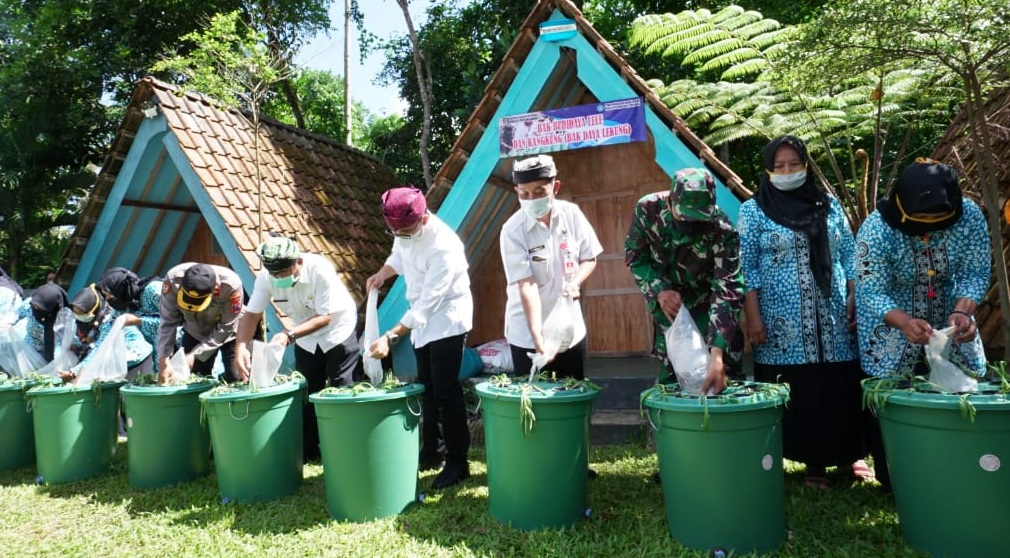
column 236, row 303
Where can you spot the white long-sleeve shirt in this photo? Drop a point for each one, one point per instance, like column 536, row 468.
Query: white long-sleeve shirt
column 434, row 268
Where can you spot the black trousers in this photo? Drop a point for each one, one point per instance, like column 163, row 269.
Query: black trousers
column 206, row 367
column 338, row 367
column 569, row 364
column 438, row 365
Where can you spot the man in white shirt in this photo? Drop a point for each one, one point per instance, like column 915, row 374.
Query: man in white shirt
column 548, row 249
column 431, row 258
column 308, row 290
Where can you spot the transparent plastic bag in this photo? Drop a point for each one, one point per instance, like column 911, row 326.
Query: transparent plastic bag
column 109, row 363
column 373, row 366
column 558, row 331
column 180, row 366
column 688, row 353
column 266, row 362
column 17, row 358
column 943, row 372
column 65, row 331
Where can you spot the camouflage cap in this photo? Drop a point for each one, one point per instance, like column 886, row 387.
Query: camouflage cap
column 692, row 195
column 278, row 253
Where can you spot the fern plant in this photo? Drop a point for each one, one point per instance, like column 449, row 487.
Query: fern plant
column 744, row 89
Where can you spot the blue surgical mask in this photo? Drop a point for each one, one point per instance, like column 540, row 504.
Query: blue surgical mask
column 537, row 208
column 788, row 181
column 285, row 282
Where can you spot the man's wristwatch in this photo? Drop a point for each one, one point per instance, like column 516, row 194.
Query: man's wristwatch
column 291, row 335
column 392, row 337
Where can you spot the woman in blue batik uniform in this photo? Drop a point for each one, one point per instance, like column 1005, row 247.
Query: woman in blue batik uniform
column 922, row 263
column 94, row 322
column 138, row 298
column 797, row 258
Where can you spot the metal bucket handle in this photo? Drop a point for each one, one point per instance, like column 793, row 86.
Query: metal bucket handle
column 648, row 416
column 411, row 409
column 232, row 412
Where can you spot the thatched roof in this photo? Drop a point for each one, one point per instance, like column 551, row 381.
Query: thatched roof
column 955, row 150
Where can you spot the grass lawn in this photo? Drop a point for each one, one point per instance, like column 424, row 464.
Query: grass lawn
column 103, row 516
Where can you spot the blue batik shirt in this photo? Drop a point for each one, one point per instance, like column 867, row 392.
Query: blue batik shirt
column 893, row 273
column 802, row 325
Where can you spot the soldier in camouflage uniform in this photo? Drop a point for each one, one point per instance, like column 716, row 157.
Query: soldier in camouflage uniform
column 681, row 248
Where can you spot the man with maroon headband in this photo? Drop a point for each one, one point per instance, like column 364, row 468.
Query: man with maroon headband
column 430, row 257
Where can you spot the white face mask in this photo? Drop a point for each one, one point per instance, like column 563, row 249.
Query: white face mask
column 787, row 181
column 537, row 208
column 412, row 239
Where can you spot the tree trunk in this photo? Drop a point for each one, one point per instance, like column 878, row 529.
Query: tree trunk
column 424, row 85
column 981, row 144
column 281, row 59
column 348, row 139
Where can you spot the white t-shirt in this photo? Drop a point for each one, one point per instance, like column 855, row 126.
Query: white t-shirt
column 317, row 292
column 434, row 268
column 551, row 256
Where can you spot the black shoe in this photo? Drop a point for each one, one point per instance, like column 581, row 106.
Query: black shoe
column 452, row 473
column 656, row 478
column 430, row 462
column 591, row 474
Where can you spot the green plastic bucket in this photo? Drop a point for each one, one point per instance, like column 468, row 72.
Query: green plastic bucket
column 257, row 440
column 167, row 442
column 950, row 486
column 537, row 479
column 369, row 446
column 721, row 464
column 75, row 430
column 17, row 433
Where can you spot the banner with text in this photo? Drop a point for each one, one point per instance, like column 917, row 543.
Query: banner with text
column 621, row 121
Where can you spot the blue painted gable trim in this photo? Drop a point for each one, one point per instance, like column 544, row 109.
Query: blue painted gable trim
column 150, row 130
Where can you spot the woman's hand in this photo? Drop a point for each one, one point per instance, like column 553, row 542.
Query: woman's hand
column 756, row 331
column 965, row 328
column 917, row 331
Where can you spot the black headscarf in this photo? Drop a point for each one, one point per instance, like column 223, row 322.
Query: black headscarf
column 925, row 186
column 46, row 303
column 91, row 302
column 125, row 286
column 804, row 209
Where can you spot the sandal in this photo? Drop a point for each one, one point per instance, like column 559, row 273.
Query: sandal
column 816, row 481
column 862, row 472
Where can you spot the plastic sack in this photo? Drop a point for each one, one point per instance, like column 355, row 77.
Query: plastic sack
column 373, row 366
column 17, row 358
column 180, row 366
column 558, row 332
column 496, row 357
column 943, row 372
column 266, row 361
column 687, row 351
column 65, row 331
column 109, row 362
